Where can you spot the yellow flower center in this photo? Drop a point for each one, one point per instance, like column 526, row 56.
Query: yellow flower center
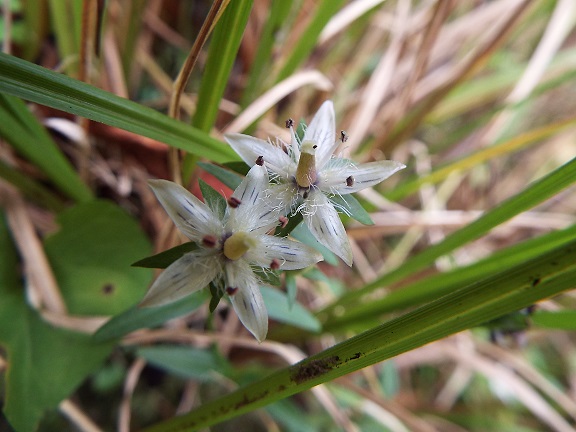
column 306, row 170
column 237, row 245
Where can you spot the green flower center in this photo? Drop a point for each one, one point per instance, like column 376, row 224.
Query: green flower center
column 306, row 171
column 237, row 245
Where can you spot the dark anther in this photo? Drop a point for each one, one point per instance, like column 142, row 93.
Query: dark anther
column 305, row 194
column 289, row 123
column 234, row 202
column 231, row 290
column 209, row 241
column 343, row 136
column 260, row 160
column 314, row 146
column 283, row 221
column 275, row 264
column 349, row 181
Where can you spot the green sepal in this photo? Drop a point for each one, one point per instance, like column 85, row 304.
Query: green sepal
column 229, row 178
column 216, row 297
column 293, row 222
column 354, row 208
column 164, row 259
column 213, row 199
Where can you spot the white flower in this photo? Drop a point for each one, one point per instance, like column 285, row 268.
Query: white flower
column 308, row 176
column 231, row 241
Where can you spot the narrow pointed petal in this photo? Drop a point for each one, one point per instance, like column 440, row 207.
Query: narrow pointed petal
column 325, row 225
column 189, row 214
column 255, row 212
column 322, row 130
column 250, row 148
column 190, row 273
column 353, row 178
column 294, row 145
column 247, row 299
column 286, row 254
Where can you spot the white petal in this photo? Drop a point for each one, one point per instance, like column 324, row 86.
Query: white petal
column 284, row 196
column 322, row 130
column 247, row 299
column 289, row 254
column 255, row 212
column 250, row 148
column 325, row 225
column 188, row 274
column 360, row 176
column 294, row 145
column 189, row 214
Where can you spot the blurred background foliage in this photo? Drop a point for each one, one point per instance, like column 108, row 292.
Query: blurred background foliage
column 472, row 247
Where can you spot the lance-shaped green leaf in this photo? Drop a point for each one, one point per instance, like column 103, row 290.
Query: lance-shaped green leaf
column 469, row 306
column 43, row 86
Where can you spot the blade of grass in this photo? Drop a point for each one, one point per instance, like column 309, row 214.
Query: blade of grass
column 32, row 190
column 260, row 66
column 37, row 84
column 63, row 14
column 221, row 55
column 467, row 307
column 534, row 194
column 438, row 285
column 325, row 9
column 19, row 127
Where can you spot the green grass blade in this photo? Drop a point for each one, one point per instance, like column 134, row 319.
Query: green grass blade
column 325, row 9
column 221, row 55
column 441, row 284
column 467, row 307
column 37, row 84
column 25, row 134
column 279, row 10
column 536, row 193
column 67, row 30
column 32, row 190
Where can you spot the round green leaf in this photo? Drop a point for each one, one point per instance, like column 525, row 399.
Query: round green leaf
column 91, row 256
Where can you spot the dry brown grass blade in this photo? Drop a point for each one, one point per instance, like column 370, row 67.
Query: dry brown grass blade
column 438, row 17
column 42, row 284
column 387, row 142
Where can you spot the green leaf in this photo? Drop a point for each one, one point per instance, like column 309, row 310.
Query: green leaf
column 213, row 199
column 23, row 131
column 229, row 178
column 534, row 194
column 561, row 320
column 324, row 10
column 45, row 364
column 280, row 309
column 261, row 65
column 30, row 188
column 216, row 295
column 463, row 308
column 291, row 287
column 137, row 318
column 37, row 84
column 353, row 207
column 91, row 256
column 222, row 52
column 186, row 362
column 443, row 283
column 164, row 259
